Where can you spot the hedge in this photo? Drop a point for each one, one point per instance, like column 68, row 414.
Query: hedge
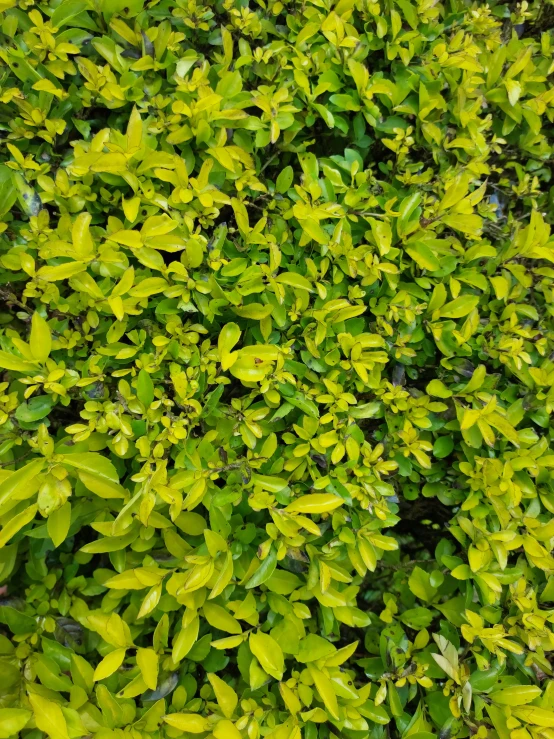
column 277, row 356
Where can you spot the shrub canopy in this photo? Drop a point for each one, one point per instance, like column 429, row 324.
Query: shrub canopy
column 276, row 345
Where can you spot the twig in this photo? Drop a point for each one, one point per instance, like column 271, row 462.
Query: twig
column 232, row 466
column 366, row 214
column 12, row 299
column 271, row 158
column 404, row 565
column 15, row 461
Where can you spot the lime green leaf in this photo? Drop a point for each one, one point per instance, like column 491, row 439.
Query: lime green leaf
column 268, row 653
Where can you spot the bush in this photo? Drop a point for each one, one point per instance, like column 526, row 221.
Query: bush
column 277, row 353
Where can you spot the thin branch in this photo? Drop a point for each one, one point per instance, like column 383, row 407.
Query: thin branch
column 271, row 159
column 404, row 565
column 232, row 466
column 15, row 461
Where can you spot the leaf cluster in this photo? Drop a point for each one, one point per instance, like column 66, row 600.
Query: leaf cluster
column 277, row 358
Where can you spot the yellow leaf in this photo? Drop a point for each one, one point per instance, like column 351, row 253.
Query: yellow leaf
column 134, row 688
column 292, row 279
column 11, row 362
column 190, row 722
column 149, row 286
column 341, row 655
column 514, row 90
column 268, row 653
column 121, row 28
column 45, row 85
column 501, row 286
column 113, row 163
column 229, row 642
column 112, row 628
column 58, row 524
column 290, row 699
column 148, row 661
column 256, row 311
column 224, row 577
column 185, row 639
column 80, row 235
column 109, row 664
column 515, row 695
column 241, row 215
column 314, row 231
column 16, row 523
column 116, row 304
column 158, row 226
column 49, row 717
column 101, row 486
column 455, row 192
column 134, row 130
column 315, row 503
column 221, row 154
column 460, row 307
column 151, row 600
column 469, row 419
column 61, row 271
column 41, row 338
column 247, row 369
column 124, row 581
column 228, row 337
column 221, row 619
column 535, row 715
column 131, row 208
column 226, row 730
column 127, row 237
column 226, row 697
column 324, row 688
column 468, row 224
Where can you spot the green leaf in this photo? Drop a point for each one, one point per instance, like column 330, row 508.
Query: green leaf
column 307, row 406
column 284, row 180
column 420, row 584
column 12, row 721
column 314, row 647
column 408, row 218
column 377, row 714
column 145, row 388
column 36, row 409
column 8, row 192
column 443, row 447
column 68, row 12
column 264, row 571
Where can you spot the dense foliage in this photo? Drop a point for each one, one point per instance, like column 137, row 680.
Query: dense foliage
column 277, row 355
